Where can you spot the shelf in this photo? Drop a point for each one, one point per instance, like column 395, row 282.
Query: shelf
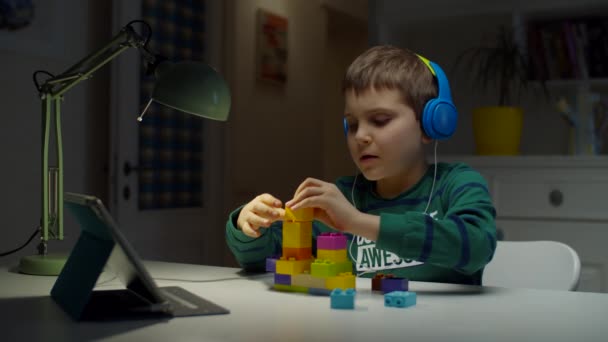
column 544, row 161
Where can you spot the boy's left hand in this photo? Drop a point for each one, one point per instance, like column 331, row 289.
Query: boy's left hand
column 331, row 207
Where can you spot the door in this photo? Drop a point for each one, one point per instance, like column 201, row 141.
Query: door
column 159, row 226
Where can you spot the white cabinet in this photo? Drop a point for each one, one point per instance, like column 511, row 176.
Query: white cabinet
column 558, row 198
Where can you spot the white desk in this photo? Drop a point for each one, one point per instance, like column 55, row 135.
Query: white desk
column 443, row 313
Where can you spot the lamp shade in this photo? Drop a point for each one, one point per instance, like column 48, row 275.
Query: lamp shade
column 194, row 88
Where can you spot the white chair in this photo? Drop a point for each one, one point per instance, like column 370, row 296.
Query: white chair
column 533, row 264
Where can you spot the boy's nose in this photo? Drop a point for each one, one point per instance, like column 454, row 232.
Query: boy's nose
column 364, row 138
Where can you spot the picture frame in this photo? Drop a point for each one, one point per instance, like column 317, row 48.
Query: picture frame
column 272, row 47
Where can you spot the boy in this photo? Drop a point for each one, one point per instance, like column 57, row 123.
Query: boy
column 402, row 216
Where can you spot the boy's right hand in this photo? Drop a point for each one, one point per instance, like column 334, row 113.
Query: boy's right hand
column 262, row 211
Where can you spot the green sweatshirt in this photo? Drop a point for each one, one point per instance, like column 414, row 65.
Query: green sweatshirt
column 451, row 243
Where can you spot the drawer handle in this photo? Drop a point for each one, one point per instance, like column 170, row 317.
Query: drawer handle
column 556, row 198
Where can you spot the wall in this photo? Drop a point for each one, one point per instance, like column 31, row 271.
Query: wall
column 53, row 44
column 346, row 39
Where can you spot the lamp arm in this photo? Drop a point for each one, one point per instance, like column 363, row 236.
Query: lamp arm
column 82, row 70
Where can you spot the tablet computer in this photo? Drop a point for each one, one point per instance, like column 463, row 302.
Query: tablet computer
column 102, row 245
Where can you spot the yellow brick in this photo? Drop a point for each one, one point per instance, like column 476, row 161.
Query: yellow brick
column 297, row 234
column 299, row 215
column 292, row 266
column 342, row 281
column 332, row 254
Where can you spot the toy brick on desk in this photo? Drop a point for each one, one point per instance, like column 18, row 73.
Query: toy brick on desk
column 331, row 241
column 343, row 299
column 297, row 234
column 292, row 266
column 290, row 288
column 377, row 282
column 298, row 253
column 400, row 299
column 394, row 284
column 335, row 255
column 319, row 292
column 284, row 279
column 299, row 215
column 308, row 280
column 342, row 281
column 324, row 268
column 271, row 265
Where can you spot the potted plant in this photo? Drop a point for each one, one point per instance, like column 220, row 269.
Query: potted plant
column 504, row 67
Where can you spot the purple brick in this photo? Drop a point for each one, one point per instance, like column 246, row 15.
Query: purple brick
column 394, row 284
column 271, row 265
column 331, row 241
column 283, row 279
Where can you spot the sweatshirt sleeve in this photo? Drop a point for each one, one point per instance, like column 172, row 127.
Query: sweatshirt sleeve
column 464, row 239
column 251, row 253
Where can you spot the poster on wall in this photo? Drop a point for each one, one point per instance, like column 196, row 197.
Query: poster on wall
column 272, row 47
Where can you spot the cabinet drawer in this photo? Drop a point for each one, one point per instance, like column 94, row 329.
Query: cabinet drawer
column 551, row 197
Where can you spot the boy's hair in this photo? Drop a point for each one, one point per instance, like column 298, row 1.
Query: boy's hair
column 389, row 67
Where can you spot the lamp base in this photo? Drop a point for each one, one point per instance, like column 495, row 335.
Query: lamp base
column 50, row 264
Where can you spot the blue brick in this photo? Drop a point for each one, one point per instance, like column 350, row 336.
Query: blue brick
column 400, row 299
column 343, row 299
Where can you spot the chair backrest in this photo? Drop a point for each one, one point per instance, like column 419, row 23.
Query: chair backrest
column 533, row 264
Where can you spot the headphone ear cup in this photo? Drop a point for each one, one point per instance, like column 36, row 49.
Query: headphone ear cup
column 345, row 127
column 439, row 119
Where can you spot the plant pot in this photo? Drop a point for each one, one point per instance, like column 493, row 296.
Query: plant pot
column 497, row 130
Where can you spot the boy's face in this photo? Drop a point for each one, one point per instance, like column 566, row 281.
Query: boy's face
column 384, row 138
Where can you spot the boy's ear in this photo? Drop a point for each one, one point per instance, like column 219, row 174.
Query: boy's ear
column 425, row 139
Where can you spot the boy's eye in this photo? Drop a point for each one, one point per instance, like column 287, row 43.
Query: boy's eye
column 352, row 126
column 381, row 121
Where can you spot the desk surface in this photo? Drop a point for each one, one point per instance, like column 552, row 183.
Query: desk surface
column 443, row 313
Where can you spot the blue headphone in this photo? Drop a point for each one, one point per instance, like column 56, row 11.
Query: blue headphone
column 439, row 115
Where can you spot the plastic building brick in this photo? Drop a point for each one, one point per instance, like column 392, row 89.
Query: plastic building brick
column 342, row 281
column 331, row 241
column 332, row 254
column 400, row 299
column 344, row 266
column 308, row 280
column 394, row 284
column 290, row 288
column 283, row 279
column 297, row 234
column 299, row 215
column 292, row 266
column 377, row 282
column 271, row 265
column 298, row 253
column 324, row 268
column 343, row 299
column 319, row 292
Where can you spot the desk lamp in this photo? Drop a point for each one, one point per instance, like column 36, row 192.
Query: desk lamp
column 191, row 87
